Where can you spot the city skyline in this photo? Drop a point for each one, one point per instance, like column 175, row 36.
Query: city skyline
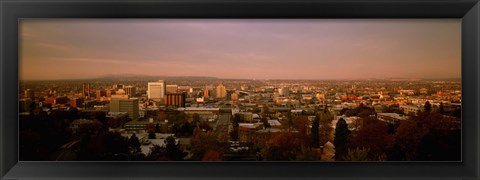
column 243, row 49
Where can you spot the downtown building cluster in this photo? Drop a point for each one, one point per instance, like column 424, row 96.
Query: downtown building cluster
column 242, row 114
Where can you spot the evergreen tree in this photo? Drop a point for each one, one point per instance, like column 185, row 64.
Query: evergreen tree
column 265, row 122
column 314, row 136
column 151, row 135
column 173, row 152
column 341, row 139
column 428, row 107
column 234, row 132
column 157, row 153
column 134, row 144
column 157, row 128
column 442, row 109
column 235, row 121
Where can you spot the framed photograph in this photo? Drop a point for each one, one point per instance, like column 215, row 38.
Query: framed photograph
column 240, row 90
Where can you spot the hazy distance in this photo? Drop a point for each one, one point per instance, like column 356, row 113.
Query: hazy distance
column 244, row 49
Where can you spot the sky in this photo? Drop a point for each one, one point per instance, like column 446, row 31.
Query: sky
column 52, row 49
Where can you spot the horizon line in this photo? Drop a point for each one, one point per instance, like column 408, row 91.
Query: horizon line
column 238, row 78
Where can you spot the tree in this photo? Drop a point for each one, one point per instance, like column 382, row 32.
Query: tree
column 428, row 107
column 427, row 136
column 307, row 154
column 325, row 129
column 235, row 121
column 357, row 154
column 395, row 153
column 341, row 139
column 301, row 124
column 284, row 146
column 115, row 143
column 173, row 152
column 265, row 122
column 157, row 153
column 72, row 113
column 196, row 118
column 203, row 141
column 204, row 125
column 157, row 128
column 151, row 135
column 407, row 137
column 372, row 135
column 185, row 129
column 315, row 139
column 442, row 109
column 440, row 144
column 234, row 132
column 102, row 118
column 212, row 155
column 134, row 144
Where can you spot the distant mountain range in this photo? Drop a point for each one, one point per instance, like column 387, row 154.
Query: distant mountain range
column 134, row 77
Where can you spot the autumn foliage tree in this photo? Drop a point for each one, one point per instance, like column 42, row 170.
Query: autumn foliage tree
column 325, row 129
column 202, row 142
column 283, row 146
column 357, row 154
column 372, row 135
column 308, row 154
column 301, row 124
column 212, row 155
column 427, row 136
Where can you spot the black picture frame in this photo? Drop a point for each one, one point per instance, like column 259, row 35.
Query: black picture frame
column 467, row 10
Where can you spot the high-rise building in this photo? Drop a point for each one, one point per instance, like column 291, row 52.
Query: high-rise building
column 284, row 91
column 172, row 88
column 175, row 99
column 119, row 96
column 156, row 90
column 77, row 102
column 130, row 90
column 29, row 93
column 128, row 105
column 100, row 93
column 88, row 93
column 117, row 86
column 109, row 92
column 205, row 93
column 83, row 91
column 221, row 91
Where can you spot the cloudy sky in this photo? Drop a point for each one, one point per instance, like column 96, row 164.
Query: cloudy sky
column 252, row 49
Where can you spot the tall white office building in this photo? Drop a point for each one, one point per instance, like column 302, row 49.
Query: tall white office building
column 156, row 90
column 221, row 91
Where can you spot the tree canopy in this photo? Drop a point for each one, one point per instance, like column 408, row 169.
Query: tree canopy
column 341, row 140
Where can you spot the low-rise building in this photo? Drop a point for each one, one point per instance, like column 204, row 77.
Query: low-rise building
column 411, row 109
column 391, row 117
